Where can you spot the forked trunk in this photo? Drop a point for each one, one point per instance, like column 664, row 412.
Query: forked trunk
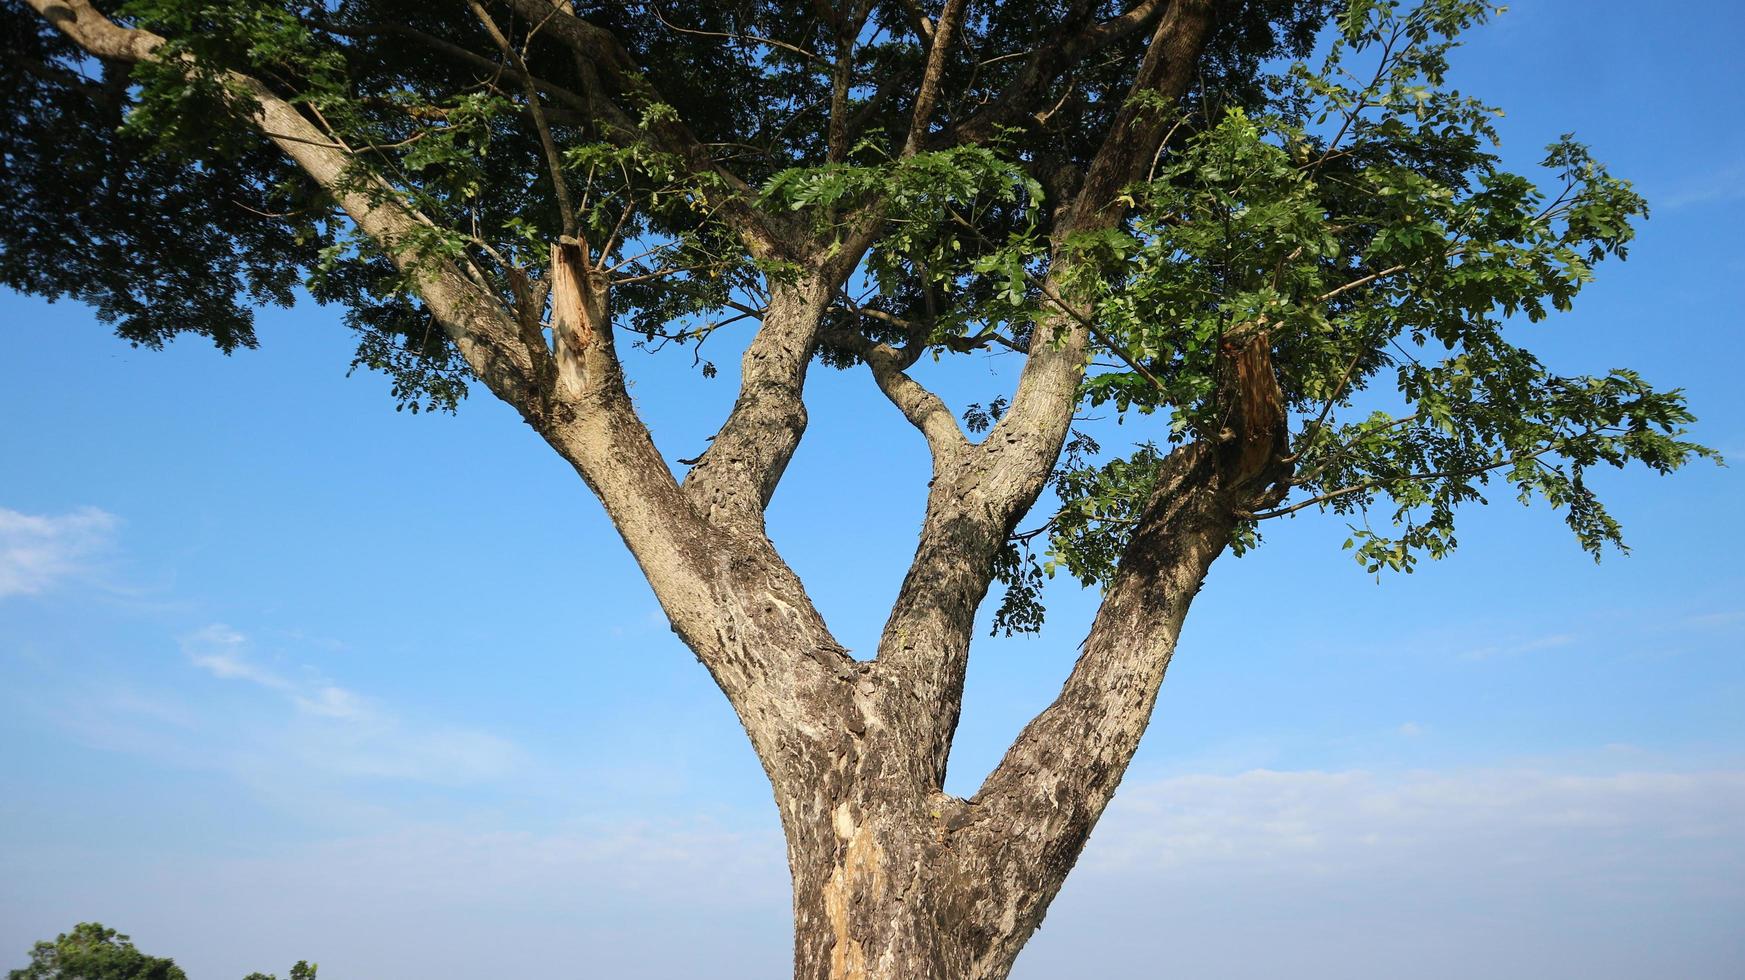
column 894, row 880
column 882, row 892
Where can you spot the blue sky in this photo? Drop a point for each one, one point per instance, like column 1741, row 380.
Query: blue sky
column 285, row 674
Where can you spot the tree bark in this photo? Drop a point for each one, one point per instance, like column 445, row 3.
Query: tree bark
column 896, row 880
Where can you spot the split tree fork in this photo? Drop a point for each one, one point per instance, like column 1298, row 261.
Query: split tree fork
column 893, row 878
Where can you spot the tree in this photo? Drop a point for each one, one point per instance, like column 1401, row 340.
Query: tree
column 94, row 952
column 1298, row 280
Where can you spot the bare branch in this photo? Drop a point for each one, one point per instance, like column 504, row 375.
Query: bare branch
column 1049, row 62
column 560, row 186
column 938, row 50
column 923, row 409
column 753, row 38
column 848, row 27
column 1039, row 804
column 919, row 20
column 455, row 52
column 737, row 475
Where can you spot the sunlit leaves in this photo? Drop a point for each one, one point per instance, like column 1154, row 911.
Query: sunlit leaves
column 1353, row 212
column 1365, row 226
column 932, row 206
column 90, row 951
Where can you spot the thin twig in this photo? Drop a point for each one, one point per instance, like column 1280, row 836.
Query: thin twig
column 1375, row 482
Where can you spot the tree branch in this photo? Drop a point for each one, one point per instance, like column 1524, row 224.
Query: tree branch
column 554, row 163
column 454, row 52
column 577, row 401
column 974, row 506
column 848, row 28
column 1047, row 63
column 654, row 7
column 923, row 409
column 737, row 475
column 939, row 44
column 602, row 52
column 1037, row 808
column 1382, row 481
column 473, row 319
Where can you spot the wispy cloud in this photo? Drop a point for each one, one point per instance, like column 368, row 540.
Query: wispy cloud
column 1720, row 185
column 688, row 896
column 222, row 652
column 344, row 732
column 1715, row 620
column 1517, row 873
column 1272, row 821
column 1352, row 875
column 1516, row 647
column 41, row 551
column 332, row 702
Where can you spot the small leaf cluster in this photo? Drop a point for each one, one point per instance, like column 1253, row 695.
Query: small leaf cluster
column 932, row 210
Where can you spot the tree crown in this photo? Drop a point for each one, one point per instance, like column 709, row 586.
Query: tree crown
column 92, row 951
column 1350, row 213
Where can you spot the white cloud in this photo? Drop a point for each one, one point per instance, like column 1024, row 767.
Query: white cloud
column 222, row 652
column 1509, row 874
column 1715, row 620
column 1411, row 729
column 289, row 736
column 1271, row 819
column 39, row 552
column 339, row 731
column 1512, row 648
column 333, row 702
column 1720, row 185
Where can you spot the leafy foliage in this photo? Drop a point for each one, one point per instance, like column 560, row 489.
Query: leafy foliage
column 87, row 203
column 98, row 156
column 1352, row 213
column 1364, row 226
column 92, row 951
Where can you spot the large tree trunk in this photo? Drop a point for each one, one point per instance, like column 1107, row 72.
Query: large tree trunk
column 868, row 894
column 888, row 886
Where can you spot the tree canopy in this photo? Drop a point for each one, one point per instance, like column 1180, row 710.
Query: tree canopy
column 1348, row 204
column 93, row 951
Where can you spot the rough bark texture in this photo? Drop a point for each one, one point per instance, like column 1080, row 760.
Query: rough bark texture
column 893, row 879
